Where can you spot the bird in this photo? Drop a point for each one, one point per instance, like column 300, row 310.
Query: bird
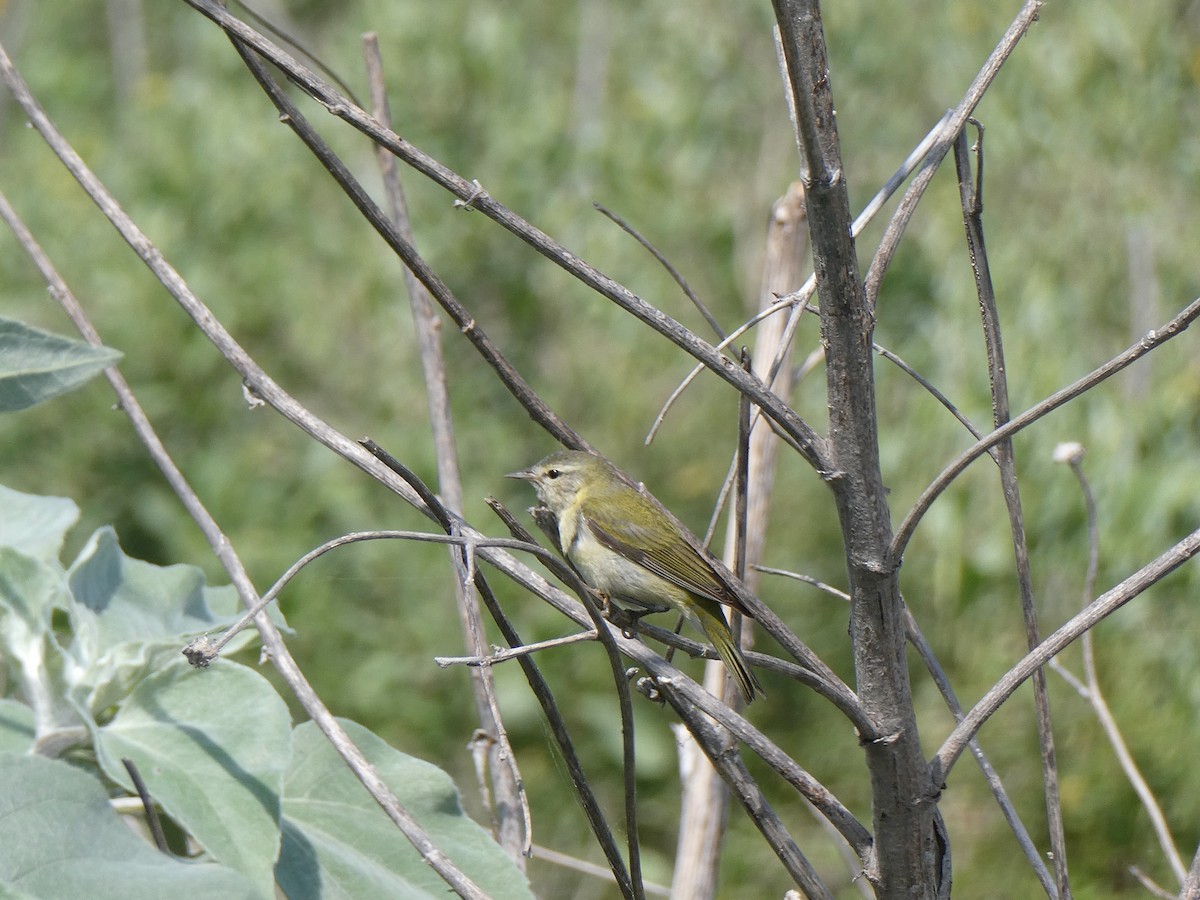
column 625, row 545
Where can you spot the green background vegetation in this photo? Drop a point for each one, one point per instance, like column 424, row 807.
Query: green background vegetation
column 1093, row 145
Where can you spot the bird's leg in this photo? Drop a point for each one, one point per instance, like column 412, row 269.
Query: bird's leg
column 626, row 619
column 678, row 629
column 623, row 618
column 603, row 601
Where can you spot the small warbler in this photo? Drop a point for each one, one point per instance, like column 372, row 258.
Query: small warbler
column 625, row 545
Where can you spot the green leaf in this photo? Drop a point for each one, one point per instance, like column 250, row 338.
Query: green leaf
column 212, row 746
column 36, row 365
column 131, row 618
column 16, row 726
column 11, row 893
column 61, row 839
column 35, row 525
column 30, row 590
column 338, row 843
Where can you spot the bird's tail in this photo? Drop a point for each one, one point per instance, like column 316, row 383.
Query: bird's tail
column 716, row 629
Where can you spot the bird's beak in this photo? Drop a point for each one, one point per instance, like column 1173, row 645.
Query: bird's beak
column 523, row 475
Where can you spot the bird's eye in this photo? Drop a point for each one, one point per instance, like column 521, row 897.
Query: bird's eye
column 552, row 473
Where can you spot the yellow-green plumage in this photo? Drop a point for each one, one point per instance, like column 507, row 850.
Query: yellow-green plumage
column 623, row 543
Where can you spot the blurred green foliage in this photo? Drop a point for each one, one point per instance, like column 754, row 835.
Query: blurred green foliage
column 672, row 116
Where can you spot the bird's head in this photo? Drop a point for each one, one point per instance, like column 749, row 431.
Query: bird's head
column 562, row 476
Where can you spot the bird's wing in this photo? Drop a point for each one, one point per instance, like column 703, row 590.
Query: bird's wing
column 656, row 549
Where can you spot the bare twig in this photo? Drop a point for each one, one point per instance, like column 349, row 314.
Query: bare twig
column 587, row 868
column 1155, row 889
column 506, row 783
column 937, row 673
column 970, row 188
column 666, row 264
column 807, row 579
column 811, row 444
column 201, row 653
column 762, row 315
column 714, row 742
column 1149, row 342
column 499, row 656
column 152, row 820
column 1091, row 691
column 272, row 640
column 1096, row 611
column 933, row 391
column 704, row 807
column 951, row 126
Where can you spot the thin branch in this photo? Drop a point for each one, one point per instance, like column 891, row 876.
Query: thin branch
column 951, row 126
column 1152, row 339
column 153, row 822
column 807, row 579
column 273, row 642
column 203, row 651
column 499, row 656
column 729, row 764
column 1155, row 889
column 506, row 783
column 812, row 445
column 507, row 373
column 666, row 264
column 1095, row 612
column 762, row 315
column 587, row 868
column 938, row 674
column 447, row 517
column 933, row 391
column 714, row 519
column 1092, row 692
column 971, row 196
